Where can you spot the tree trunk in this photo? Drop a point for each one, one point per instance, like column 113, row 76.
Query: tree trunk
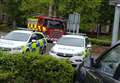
column 14, row 24
column 55, row 10
column 50, row 9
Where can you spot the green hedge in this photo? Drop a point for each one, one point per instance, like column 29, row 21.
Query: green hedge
column 100, row 42
column 33, row 68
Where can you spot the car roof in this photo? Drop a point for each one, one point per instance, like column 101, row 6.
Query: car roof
column 75, row 36
column 28, row 32
column 23, row 31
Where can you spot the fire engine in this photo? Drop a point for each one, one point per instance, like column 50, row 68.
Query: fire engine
column 53, row 27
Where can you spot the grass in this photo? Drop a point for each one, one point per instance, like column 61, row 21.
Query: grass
column 105, row 37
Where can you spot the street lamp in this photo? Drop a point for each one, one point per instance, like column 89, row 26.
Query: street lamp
column 116, row 3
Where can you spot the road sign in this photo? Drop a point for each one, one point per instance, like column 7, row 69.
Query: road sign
column 114, row 2
column 73, row 23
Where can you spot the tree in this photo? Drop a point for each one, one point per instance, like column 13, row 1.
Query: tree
column 46, row 7
column 106, row 12
column 12, row 10
column 87, row 9
column 32, row 7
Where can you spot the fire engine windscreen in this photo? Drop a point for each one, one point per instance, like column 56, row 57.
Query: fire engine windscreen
column 55, row 24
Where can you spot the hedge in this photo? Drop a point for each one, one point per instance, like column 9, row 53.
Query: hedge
column 100, row 42
column 33, row 68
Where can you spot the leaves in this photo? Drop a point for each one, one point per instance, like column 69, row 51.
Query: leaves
column 34, row 67
column 91, row 11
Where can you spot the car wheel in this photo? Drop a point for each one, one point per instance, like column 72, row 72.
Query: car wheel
column 27, row 50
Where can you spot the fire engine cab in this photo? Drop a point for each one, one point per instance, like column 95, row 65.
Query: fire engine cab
column 53, row 27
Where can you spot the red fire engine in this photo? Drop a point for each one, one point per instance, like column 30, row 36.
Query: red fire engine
column 52, row 26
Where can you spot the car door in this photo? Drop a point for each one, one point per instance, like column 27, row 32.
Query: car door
column 106, row 68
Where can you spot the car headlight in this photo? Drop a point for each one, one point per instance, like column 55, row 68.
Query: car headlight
column 79, row 54
column 78, row 60
column 52, row 51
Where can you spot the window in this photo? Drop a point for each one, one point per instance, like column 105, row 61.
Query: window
column 110, row 61
column 39, row 36
column 40, row 21
column 17, row 36
column 55, row 24
column 45, row 22
column 36, row 36
column 33, row 36
column 71, row 41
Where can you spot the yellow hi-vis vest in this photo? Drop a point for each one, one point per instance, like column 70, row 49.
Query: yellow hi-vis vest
column 41, row 42
column 86, row 53
column 34, row 45
column 24, row 49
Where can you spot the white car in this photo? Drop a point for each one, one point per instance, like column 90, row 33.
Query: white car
column 15, row 40
column 71, row 47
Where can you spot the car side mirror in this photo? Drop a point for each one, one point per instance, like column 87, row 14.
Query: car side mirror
column 54, row 42
column 89, row 46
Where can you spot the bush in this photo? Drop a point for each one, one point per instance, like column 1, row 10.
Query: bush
column 33, row 68
column 100, row 42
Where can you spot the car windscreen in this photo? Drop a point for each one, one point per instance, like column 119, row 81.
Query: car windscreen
column 70, row 41
column 17, row 36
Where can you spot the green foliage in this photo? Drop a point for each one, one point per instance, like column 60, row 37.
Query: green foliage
column 32, row 67
column 106, row 12
column 92, row 12
column 86, row 27
column 12, row 8
column 33, row 7
column 100, row 42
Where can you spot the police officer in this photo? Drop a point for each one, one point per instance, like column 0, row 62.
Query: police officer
column 42, row 44
column 86, row 53
column 33, row 44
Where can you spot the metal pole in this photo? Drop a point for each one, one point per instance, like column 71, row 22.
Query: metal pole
column 116, row 24
column 78, row 23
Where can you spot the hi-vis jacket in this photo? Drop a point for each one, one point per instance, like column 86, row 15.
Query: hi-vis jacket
column 41, row 43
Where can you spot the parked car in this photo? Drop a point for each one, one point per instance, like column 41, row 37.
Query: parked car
column 105, row 69
column 15, row 40
column 72, row 47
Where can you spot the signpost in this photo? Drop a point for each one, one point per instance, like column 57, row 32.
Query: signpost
column 116, row 3
column 73, row 23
